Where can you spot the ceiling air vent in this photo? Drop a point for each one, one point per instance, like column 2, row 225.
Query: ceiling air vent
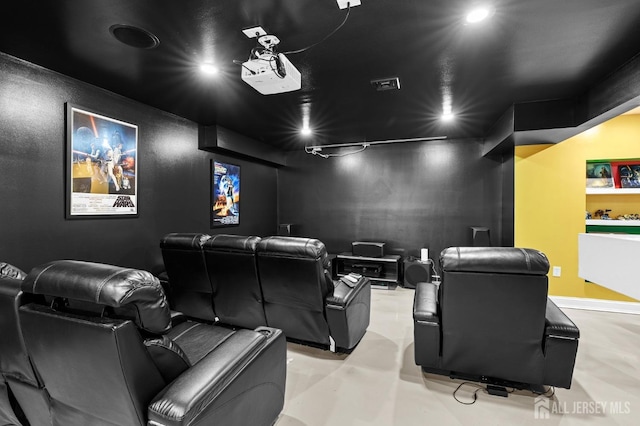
column 391, row 83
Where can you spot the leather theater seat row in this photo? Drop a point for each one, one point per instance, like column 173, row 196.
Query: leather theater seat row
column 280, row 282
column 90, row 344
column 490, row 320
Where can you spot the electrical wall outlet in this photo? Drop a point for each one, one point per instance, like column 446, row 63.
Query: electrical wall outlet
column 342, row 4
column 557, row 271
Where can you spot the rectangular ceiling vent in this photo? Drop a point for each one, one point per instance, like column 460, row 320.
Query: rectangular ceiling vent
column 392, row 83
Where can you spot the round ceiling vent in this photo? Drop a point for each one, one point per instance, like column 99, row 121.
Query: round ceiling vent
column 134, row 36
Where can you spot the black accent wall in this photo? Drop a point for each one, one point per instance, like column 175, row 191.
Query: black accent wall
column 409, row 195
column 173, row 177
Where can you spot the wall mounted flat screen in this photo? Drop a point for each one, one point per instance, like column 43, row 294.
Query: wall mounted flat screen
column 225, row 194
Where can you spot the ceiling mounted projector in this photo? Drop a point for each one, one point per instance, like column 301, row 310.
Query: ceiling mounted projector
column 274, row 75
column 269, row 72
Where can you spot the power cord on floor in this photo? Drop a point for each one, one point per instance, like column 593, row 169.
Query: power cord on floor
column 475, row 393
column 548, row 393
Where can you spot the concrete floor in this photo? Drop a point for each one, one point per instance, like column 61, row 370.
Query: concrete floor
column 379, row 383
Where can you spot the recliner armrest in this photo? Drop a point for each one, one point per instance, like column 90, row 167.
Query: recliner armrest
column 426, row 326
column 425, row 303
column 558, row 323
column 189, row 395
column 560, row 347
column 343, row 294
column 348, row 313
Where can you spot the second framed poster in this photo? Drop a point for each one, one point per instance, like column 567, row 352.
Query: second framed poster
column 225, row 194
column 102, row 165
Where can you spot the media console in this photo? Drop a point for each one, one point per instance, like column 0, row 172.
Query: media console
column 383, row 272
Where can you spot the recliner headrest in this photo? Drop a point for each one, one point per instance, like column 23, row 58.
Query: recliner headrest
column 500, row 260
column 135, row 293
column 292, row 247
column 236, row 243
column 184, row 240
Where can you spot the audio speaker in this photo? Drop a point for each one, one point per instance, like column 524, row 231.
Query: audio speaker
column 367, row 249
column 416, row 271
column 480, row 236
column 284, row 229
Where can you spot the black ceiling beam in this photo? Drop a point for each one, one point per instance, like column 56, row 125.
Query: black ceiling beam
column 551, row 114
column 500, row 137
column 218, row 139
column 552, row 121
column 617, row 93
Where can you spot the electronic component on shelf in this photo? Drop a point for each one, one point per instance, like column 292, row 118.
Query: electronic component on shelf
column 380, row 272
column 367, row 269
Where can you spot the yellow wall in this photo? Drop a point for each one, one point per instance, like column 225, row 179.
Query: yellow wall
column 550, row 198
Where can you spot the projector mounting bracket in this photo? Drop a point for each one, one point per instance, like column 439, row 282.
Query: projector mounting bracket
column 268, row 41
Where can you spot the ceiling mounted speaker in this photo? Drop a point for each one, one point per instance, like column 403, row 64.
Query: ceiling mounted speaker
column 415, row 272
column 134, row 36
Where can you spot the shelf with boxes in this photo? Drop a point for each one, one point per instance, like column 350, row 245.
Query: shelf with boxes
column 613, row 196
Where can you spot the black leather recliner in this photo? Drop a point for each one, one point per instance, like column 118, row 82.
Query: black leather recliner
column 301, row 298
column 103, row 344
column 20, row 385
column 233, row 272
column 8, row 406
column 491, row 321
column 186, row 272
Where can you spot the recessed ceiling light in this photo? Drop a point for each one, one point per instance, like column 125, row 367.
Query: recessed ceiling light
column 208, row 68
column 479, row 14
column 134, row 36
column 448, row 116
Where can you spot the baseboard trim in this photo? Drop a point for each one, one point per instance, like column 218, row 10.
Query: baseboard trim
column 597, row 304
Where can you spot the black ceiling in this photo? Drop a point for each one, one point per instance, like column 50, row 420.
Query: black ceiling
column 527, row 51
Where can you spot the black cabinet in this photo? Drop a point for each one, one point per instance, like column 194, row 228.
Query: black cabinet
column 383, row 271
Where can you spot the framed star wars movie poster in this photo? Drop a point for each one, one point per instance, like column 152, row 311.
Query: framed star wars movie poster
column 101, row 165
column 225, row 194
